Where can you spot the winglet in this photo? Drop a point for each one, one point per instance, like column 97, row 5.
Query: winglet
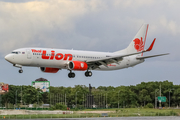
column 152, row 44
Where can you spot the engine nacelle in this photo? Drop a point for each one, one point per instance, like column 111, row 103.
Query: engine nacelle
column 49, row 70
column 77, row 65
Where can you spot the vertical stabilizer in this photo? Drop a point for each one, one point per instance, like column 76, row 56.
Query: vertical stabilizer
column 138, row 42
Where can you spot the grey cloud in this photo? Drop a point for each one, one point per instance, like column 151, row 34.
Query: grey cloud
column 98, row 25
column 89, row 25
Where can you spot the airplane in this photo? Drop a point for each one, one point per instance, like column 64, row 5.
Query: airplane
column 52, row 60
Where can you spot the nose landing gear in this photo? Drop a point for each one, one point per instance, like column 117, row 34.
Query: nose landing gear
column 71, row 74
column 88, row 73
column 20, row 71
column 18, row 66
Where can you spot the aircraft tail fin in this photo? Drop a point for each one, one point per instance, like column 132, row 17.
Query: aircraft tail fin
column 138, row 42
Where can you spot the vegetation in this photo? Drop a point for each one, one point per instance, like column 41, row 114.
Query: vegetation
column 141, row 95
column 149, row 105
column 58, row 106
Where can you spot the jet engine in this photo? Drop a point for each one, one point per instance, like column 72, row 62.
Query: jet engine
column 49, row 70
column 77, row 65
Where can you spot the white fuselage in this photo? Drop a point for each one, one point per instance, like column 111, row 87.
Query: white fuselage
column 52, row 60
column 59, row 58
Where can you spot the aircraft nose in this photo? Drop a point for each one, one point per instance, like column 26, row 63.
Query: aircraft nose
column 8, row 57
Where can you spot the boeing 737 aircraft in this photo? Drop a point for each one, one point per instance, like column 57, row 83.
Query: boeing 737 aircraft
column 52, row 60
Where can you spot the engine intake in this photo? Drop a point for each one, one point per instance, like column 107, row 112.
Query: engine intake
column 49, row 70
column 77, row 65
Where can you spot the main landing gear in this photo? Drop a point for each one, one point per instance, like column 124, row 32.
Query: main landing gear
column 88, row 73
column 71, row 74
column 20, row 71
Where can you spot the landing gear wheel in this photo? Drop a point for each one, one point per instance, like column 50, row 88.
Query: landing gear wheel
column 88, row 73
column 20, row 71
column 71, row 75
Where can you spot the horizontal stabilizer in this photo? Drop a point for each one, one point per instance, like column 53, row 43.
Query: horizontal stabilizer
column 144, row 57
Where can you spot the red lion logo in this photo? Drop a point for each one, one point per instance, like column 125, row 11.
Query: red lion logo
column 138, row 44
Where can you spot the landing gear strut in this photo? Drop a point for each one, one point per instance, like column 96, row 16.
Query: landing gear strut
column 88, row 73
column 71, row 74
column 19, row 66
column 20, row 71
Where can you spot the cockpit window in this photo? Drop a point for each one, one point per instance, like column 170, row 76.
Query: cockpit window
column 16, row 52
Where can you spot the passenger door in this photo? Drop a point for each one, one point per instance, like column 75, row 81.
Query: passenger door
column 28, row 54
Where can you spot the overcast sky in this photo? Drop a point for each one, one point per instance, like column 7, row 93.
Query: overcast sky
column 93, row 25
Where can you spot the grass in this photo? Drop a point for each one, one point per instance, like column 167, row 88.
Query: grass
column 140, row 111
column 127, row 112
column 49, row 116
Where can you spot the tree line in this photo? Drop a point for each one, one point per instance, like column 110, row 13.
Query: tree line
column 139, row 95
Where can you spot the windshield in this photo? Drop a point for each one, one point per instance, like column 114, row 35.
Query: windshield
column 15, row 52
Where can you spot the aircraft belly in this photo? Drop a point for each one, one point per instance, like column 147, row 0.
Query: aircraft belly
column 129, row 62
column 113, row 66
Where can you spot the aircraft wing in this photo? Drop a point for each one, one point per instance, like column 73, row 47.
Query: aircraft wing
column 144, row 57
column 93, row 64
column 105, row 61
